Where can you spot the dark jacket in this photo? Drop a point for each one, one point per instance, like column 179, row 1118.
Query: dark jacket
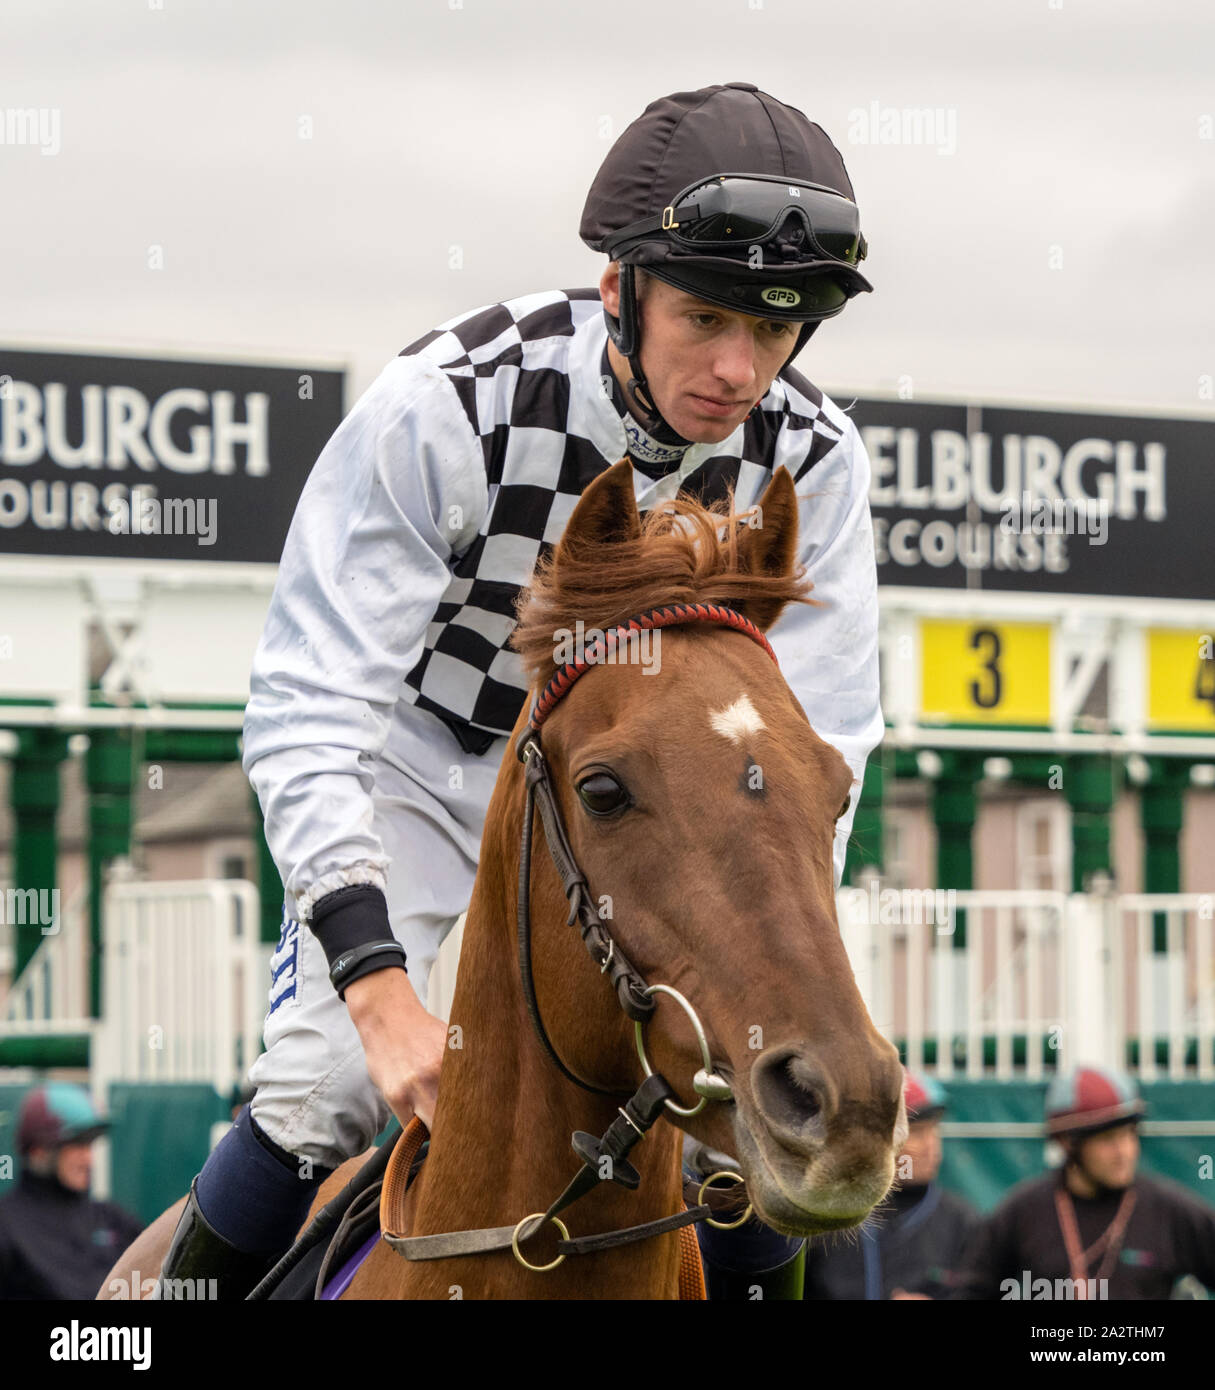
column 1170, row 1233
column 58, row 1244
column 911, row 1243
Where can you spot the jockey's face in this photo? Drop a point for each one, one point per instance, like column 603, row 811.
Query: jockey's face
column 1112, row 1156
column 694, row 354
column 74, row 1166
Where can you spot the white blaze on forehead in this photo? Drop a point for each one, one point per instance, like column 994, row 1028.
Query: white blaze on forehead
column 738, row 720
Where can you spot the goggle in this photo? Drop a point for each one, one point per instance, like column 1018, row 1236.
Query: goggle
column 734, row 210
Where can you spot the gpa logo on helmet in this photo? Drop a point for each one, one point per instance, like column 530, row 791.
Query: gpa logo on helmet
column 778, row 294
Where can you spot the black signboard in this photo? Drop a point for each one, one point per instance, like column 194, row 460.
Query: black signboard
column 142, row 458
column 1049, row 501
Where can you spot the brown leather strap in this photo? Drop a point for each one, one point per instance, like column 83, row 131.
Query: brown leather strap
column 396, row 1179
column 1110, row 1239
column 691, row 1268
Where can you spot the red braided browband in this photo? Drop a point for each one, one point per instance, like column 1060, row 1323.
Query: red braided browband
column 671, row 616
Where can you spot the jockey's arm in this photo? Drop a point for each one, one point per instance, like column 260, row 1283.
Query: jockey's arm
column 396, row 493
column 829, row 654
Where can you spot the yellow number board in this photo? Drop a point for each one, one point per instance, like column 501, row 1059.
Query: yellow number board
column 1181, row 680
column 979, row 672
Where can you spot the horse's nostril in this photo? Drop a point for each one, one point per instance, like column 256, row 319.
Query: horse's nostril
column 791, row 1095
column 801, row 1079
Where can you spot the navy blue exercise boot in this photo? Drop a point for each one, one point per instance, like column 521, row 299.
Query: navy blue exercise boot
column 243, row 1213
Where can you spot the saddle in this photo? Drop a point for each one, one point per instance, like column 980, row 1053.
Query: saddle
column 326, row 1256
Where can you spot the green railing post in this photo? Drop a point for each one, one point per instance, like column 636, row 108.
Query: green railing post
column 270, row 886
column 954, row 811
column 1089, row 785
column 34, row 796
column 110, row 773
column 1161, row 814
column 865, row 848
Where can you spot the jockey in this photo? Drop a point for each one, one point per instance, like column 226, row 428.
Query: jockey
column 57, row 1242
column 1096, row 1228
column 383, row 689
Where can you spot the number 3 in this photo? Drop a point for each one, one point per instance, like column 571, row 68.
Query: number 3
column 987, row 698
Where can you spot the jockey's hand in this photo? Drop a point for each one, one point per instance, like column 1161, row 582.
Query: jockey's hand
column 404, row 1044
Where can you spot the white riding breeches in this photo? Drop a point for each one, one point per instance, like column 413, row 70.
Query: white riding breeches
column 314, row 1096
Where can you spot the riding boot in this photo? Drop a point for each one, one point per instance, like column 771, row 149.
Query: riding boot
column 243, row 1212
column 216, row 1269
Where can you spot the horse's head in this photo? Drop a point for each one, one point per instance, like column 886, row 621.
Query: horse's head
column 701, row 807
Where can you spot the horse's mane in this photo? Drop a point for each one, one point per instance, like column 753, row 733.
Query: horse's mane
column 687, row 553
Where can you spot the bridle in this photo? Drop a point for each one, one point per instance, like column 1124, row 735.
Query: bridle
column 635, row 997
column 632, row 992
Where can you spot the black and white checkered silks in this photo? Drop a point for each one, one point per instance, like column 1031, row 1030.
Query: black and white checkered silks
column 518, row 384
column 424, row 515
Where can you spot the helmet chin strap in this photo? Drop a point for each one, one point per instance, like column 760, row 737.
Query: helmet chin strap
column 625, row 333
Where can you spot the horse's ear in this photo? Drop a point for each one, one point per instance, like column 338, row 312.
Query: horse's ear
column 605, row 514
column 770, row 546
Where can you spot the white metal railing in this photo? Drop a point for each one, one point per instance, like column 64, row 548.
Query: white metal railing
column 1163, row 998
column 52, row 993
column 184, row 984
column 1040, row 977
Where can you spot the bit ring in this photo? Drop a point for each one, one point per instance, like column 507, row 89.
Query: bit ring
column 686, row 1111
column 700, row 1197
column 514, row 1242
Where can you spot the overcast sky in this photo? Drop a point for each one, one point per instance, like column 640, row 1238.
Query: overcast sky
column 1053, row 242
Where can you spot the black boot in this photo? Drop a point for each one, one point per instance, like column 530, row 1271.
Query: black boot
column 215, row 1270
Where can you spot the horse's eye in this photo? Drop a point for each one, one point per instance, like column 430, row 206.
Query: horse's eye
column 601, row 794
column 844, row 807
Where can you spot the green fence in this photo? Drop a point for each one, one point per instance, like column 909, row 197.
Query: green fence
column 160, row 1139
column 993, row 1136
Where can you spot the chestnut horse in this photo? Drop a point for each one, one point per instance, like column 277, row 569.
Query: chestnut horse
column 700, row 806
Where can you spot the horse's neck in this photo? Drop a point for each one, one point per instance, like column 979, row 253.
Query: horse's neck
column 501, row 1148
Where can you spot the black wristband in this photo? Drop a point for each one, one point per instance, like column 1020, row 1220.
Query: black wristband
column 364, row 960
column 350, row 918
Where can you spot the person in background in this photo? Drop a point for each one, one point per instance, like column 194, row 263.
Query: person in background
column 909, row 1248
column 1095, row 1228
column 56, row 1242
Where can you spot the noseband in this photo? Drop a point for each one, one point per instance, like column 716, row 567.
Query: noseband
column 635, row 997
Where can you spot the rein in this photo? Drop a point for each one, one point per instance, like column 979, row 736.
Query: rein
column 635, row 997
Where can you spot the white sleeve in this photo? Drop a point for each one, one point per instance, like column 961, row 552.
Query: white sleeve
column 829, row 654
column 396, row 493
